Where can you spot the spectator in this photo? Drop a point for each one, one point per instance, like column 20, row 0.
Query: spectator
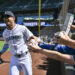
column 63, row 53
column 53, row 54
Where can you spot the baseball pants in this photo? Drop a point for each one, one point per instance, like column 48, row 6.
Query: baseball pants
column 24, row 63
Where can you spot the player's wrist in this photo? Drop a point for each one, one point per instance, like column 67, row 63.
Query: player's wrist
column 41, row 50
column 70, row 42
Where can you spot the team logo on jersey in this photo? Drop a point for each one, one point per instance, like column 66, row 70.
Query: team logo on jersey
column 16, row 37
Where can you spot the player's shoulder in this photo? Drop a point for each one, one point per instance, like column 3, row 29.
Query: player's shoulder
column 5, row 31
column 20, row 26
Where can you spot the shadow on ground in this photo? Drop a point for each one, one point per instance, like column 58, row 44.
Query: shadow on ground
column 51, row 66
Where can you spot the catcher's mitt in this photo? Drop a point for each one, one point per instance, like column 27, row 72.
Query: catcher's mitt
column 1, row 61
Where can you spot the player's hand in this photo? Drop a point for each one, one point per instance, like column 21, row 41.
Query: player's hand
column 34, row 48
column 62, row 38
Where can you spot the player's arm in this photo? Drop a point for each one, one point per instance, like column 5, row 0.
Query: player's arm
column 5, row 47
column 35, row 38
column 29, row 35
column 71, row 43
column 58, row 56
column 65, row 39
column 53, row 54
column 32, row 37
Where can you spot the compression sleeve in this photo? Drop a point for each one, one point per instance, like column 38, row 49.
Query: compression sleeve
column 46, row 46
column 65, row 49
column 5, row 47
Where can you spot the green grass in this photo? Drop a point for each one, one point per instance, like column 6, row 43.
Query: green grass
column 1, row 45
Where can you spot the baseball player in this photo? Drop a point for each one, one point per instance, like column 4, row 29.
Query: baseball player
column 16, row 37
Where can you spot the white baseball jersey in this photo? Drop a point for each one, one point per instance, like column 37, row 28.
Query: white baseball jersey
column 16, row 38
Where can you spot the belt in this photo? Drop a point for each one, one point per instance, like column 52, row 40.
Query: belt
column 21, row 55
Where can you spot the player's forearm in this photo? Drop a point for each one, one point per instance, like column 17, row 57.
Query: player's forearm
column 71, row 43
column 5, row 47
column 58, row 56
column 32, row 37
column 68, row 42
column 50, row 53
column 35, row 38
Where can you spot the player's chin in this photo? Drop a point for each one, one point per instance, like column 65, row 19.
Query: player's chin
column 8, row 24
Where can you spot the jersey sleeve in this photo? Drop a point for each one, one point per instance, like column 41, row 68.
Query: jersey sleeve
column 4, row 37
column 27, row 32
column 4, row 49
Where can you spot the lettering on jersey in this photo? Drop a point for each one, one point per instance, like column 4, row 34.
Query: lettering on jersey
column 16, row 37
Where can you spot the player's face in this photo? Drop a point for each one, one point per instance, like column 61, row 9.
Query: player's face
column 8, row 20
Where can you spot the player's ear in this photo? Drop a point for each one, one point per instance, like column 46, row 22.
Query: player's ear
column 14, row 18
